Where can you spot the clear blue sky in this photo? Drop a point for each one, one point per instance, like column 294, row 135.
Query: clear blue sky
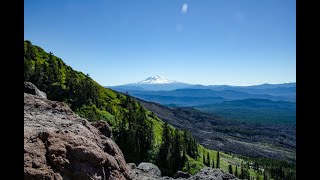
column 235, row 42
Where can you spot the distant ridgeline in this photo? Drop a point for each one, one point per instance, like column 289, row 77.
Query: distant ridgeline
column 140, row 134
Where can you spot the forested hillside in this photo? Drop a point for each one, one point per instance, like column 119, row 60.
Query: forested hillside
column 137, row 131
column 140, row 134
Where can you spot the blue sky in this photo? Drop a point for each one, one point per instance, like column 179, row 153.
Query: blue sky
column 235, row 42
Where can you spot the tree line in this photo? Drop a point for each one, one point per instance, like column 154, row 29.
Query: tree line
column 174, row 149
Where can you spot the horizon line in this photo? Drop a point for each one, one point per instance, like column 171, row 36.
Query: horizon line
column 210, row 84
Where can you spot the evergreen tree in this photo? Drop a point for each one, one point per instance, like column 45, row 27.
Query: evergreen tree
column 230, row 169
column 236, row 173
column 218, row 160
column 186, row 141
column 242, row 176
column 255, row 166
column 163, row 156
column 208, row 160
column 184, row 157
column 38, row 76
column 52, row 70
column 176, row 158
column 195, row 149
column 28, row 71
column 213, row 162
column 188, row 167
column 29, row 53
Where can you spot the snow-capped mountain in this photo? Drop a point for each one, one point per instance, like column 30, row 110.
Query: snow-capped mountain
column 157, row 80
column 154, row 83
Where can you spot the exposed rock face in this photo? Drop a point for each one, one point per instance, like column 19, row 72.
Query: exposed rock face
column 58, row 144
column 32, row 89
column 204, row 174
column 103, row 127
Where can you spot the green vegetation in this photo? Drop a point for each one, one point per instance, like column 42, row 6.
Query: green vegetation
column 140, row 134
column 230, row 169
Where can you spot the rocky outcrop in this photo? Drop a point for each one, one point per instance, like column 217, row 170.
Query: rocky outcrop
column 58, row 144
column 103, row 127
column 32, row 89
column 132, row 165
column 204, row 174
column 149, row 168
column 181, row 174
column 214, row 174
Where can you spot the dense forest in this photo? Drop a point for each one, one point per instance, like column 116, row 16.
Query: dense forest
column 140, row 134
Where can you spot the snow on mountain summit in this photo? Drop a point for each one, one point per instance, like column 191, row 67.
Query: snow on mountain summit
column 156, row 80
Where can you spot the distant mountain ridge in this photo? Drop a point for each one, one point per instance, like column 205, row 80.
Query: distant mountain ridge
column 196, row 97
column 156, row 83
column 174, row 93
column 153, row 83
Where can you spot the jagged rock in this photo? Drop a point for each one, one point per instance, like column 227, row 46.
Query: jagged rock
column 213, row 174
column 181, row 174
column 58, row 144
column 132, row 165
column 32, row 89
column 149, row 168
column 204, row 174
column 103, row 127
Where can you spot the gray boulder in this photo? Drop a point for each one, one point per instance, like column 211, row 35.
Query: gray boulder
column 32, row 89
column 204, row 174
column 213, row 174
column 132, row 165
column 149, row 168
column 181, row 174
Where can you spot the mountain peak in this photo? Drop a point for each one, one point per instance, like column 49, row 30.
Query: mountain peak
column 156, row 80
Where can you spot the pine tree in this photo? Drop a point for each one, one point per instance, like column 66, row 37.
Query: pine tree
column 30, row 53
column 163, row 156
column 242, row 176
column 184, row 156
column 28, row 71
column 230, row 169
column 218, row 160
column 236, row 174
column 265, row 175
column 186, row 141
column 195, row 149
column 188, row 167
column 144, row 133
column 176, row 158
column 208, row 160
column 213, row 162
column 38, row 76
column 52, row 69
